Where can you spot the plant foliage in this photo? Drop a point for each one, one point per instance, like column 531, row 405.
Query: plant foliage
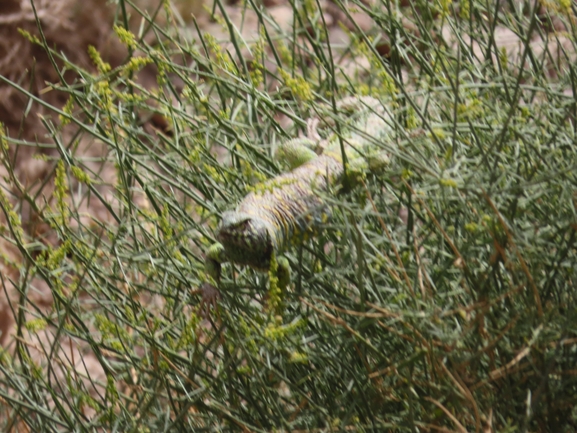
column 439, row 297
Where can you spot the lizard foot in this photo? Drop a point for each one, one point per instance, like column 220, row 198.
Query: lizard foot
column 312, row 129
column 209, row 301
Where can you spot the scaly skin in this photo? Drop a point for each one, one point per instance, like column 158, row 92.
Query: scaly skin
column 289, row 207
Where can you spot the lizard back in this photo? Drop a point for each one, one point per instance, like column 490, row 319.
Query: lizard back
column 288, row 206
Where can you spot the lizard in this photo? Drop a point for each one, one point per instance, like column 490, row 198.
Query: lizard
column 289, row 207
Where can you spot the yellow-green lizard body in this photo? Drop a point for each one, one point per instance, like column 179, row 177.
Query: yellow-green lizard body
column 289, row 207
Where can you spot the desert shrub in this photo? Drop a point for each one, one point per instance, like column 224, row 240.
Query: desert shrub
column 439, row 297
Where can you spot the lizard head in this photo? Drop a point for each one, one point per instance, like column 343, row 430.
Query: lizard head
column 246, row 239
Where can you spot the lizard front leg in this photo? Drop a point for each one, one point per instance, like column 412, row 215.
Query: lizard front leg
column 297, row 152
column 215, row 256
column 283, row 272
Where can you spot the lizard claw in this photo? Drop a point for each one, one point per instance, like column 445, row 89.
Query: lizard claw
column 209, row 301
column 312, row 129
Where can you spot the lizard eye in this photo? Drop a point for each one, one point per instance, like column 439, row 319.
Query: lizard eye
column 242, row 224
column 234, row 224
